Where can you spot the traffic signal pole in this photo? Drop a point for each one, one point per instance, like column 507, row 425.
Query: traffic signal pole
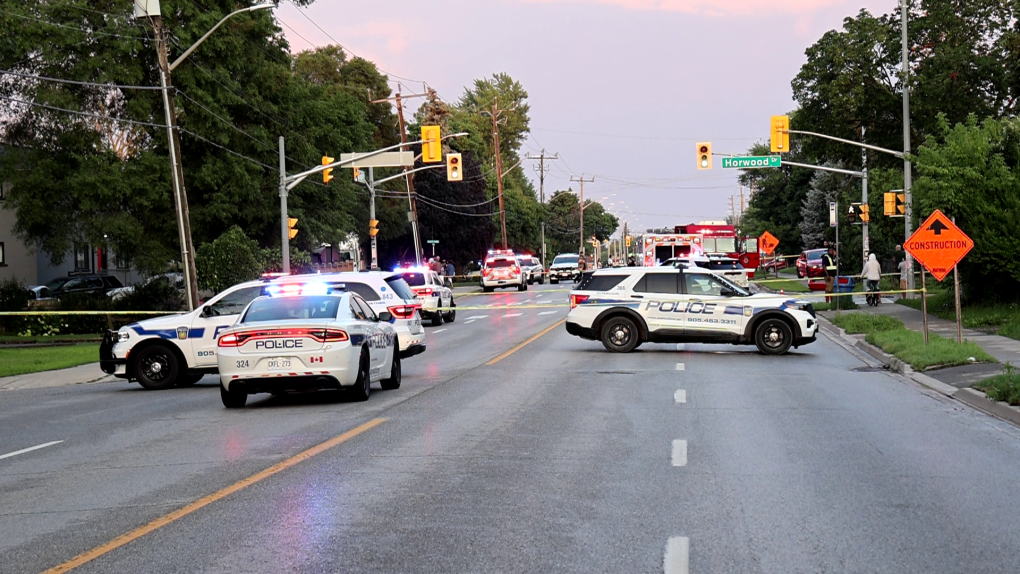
column 371, row 216
column 541, row 187
column 284, row 228
column 908, row 201
column 581, row 205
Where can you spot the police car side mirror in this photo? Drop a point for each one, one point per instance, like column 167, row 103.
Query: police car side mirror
column 727, row 292
column 385, row 317
column 206, row 311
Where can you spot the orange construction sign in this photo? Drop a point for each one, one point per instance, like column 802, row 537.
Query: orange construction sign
column 768, row 243
column 938, row 245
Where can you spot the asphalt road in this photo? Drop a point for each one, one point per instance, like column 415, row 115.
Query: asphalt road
column 559, row 457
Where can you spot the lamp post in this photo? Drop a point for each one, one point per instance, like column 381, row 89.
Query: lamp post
column 151, row 10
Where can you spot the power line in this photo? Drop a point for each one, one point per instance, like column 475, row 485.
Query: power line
column 76, row 82
column 622, row 136
column 226, row 149
column 424, row 197
column 86, row 114
column 83, row 30
column 430, row 204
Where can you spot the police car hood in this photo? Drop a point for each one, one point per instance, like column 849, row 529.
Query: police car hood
column 775, row 300
column 166, row 327
column 563, row 265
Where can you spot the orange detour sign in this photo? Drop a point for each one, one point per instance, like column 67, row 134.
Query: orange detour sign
column 768, row 242
column 938, row 245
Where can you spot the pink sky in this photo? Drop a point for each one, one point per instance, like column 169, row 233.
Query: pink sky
column 622, row 89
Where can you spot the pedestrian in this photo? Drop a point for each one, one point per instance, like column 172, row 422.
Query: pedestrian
column 829, row 262
column 631, row 262
column 450, row 271
column 904, row 270
column 872, row 273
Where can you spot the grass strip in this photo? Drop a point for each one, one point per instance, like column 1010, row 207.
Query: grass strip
column 909, row 347
column 49, row 338
column 1004, row 387
column 792, row 286
column 858, row 323
column 33, row 360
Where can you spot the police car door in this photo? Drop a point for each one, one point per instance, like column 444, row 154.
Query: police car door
column 214, row 318
column 661, row 301
column 441, row 289
column 709, row 310
column 376, row 339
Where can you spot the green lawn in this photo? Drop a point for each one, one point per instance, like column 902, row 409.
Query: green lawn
column 48, row 338
column 857, row 323
column 1003, row 318
column 909, row 347
column 792, row 286
column 33, row 360
column 1004, row 387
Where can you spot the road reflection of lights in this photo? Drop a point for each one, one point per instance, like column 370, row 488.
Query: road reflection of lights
column 233, row 445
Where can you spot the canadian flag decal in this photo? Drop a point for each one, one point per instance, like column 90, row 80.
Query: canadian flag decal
column 316, row 359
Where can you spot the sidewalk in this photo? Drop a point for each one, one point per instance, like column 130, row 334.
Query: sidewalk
column 81, row 374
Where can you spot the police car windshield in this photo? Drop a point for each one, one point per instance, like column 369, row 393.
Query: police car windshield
column 560, row 259
column 414, row 279
column 291, row 308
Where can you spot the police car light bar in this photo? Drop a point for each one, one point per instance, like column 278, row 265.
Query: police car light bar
column 291, row 289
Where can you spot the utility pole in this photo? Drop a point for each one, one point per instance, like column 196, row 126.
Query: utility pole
column 741, row 204
column 908, row 200
column 865, row 242
column 371, row 215
column 284, row 228
column 581, row 204
column 177, row 173
column 541, row 186
column 494, row 114
column 412, row 203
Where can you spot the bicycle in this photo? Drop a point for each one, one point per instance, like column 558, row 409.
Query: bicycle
column 872, row 297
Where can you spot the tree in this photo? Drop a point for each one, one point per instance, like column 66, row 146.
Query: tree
column 562, row 230
column 777, row 196
column 230, row 259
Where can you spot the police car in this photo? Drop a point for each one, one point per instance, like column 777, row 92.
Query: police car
column 432, row 291
column 625, row 307
column 502, row 269
column 178, row 350
column 304, row 337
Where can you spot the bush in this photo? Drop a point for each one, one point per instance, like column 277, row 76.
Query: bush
column 909, row 346
column 857, row 323
column 231, row 259
column 156, row 295
column 14, row 296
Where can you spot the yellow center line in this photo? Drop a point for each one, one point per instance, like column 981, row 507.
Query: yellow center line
column 526, row 343
column 207, row 500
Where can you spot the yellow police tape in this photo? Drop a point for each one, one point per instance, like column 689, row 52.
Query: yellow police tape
column 817, row 278
column 30, row 313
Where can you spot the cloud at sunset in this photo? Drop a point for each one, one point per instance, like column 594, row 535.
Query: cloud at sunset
column 713, row 7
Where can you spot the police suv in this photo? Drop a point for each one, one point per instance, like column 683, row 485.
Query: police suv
column 178, row 350
column 624, row 307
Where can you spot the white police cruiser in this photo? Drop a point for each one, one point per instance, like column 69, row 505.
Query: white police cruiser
column 624, row 307
column 178, row 350
column 304, row 337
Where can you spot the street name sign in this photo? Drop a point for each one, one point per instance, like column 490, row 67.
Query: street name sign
column 939, row 245
column 385, row 159
column 432, row 241
column 832, row 214
column 752, row 162
column 768, row 242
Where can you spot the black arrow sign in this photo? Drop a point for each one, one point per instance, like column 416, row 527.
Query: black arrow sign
column 937, row 227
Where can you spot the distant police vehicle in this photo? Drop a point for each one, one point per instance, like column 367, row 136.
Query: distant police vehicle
column 625, row 307
column 180, row 349
column 432, row 291
column 565, row 267
column 502, row 269
column 304, row 337
column 533, row 268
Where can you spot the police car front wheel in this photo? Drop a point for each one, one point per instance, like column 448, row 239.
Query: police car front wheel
column 156, row 367
column 620, row 335
column 773, row 336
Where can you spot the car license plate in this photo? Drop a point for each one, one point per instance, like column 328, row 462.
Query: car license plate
column 279, row 364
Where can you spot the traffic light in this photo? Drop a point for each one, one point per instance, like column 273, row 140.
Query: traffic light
column 628, row 241
column 357, row 174
column 373, row 227
column 780, row 135
column 291, row 222
column 865, row 212
column 895, row 204
column 327, row 174
column 851, row 213
column 431, row 147
column 704, row 154
column 453, row 168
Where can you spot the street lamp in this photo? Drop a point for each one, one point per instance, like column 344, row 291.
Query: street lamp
column 150, row 9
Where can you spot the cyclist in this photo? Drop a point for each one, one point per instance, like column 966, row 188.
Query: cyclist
column 872, row 272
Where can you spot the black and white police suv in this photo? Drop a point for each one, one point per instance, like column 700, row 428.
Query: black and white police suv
column 178, row 350
column 304, row 337
column 624, row 307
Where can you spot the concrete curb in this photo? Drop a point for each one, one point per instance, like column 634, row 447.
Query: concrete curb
column 971, row 397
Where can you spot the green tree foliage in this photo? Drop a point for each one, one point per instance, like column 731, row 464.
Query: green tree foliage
column 972, row 172
column 228, row 260
column 776, row 200
column 562, row 231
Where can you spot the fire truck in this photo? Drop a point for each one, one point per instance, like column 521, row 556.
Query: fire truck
column 703, row 238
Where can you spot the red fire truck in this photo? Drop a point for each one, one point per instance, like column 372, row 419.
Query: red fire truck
column 719, row 238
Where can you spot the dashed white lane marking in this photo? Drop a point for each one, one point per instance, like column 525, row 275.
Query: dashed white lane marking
column 538, row 296
column 30, row 449
column 677, row 558
column 513, row 314
column 438, row 331
column 679, row 346
column 679, row 366
column 475, row 317
column 549, row 312
column 680, row 396
column 679, row 453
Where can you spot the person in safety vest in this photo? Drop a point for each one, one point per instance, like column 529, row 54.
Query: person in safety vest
column 829, row 262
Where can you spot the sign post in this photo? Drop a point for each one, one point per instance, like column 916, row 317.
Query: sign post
column 433, row 243
column 768, row 243
column 939, row 245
